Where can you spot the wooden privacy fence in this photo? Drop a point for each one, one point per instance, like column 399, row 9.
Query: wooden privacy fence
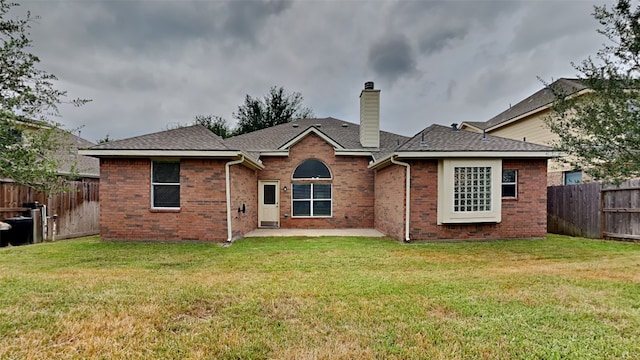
column 77, row 209
column 595, row 210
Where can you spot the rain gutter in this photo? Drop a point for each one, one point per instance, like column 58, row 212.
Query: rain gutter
column 407, row 196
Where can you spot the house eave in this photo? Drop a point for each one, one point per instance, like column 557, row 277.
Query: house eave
column 519, row 117
column 215, row 154
column 274, row 153
column 337, row 152
column 464, row 124
column 353, row 152
column 79, row 175
column 477, row 154
column 465, row 154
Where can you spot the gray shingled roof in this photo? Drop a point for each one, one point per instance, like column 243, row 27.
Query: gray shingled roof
column 342, row 132
column 67, row 155
column 196, row 137
column 438, row 138
column 538, row 100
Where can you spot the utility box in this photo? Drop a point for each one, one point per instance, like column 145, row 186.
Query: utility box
column 21, row 231
column 36, row 213
column 36, row 231
column 4, row 227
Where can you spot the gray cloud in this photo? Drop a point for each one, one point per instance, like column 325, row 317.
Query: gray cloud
column 392, row 57
column 147, row 64
column 244, row 19
column 161, row 28
column 439, row 39
column 451, row 88
column 438, row 24
column 537, row 27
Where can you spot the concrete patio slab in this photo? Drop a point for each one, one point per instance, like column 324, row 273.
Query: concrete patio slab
column 314, row 232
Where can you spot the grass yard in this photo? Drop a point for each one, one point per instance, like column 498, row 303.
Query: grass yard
column 321, row 298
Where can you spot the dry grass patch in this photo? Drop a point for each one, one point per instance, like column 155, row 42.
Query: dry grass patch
column 321, row 298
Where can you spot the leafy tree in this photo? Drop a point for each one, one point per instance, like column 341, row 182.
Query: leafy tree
column 277, row 107
column 28, row 139
column 600, row 131
column 216, row 124
column 105, row 139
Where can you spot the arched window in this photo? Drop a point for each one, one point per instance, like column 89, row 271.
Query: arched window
column 311, row 199
column 312, row 169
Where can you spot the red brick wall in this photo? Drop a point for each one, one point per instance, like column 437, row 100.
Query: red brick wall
column 390, row 201
column 125, row 202
column 244, row 190
column 352, row 185
column 524, row 217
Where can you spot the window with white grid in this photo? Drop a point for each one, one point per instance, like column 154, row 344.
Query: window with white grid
column 311, row 199
column 472, row 188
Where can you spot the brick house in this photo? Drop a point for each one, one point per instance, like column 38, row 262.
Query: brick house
column 189, row 184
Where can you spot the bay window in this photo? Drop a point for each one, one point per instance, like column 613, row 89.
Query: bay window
column 470, row 191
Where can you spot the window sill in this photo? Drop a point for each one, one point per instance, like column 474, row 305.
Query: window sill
column 164, row 210
column 312, row 217
column 470, row 218
column 510, row 199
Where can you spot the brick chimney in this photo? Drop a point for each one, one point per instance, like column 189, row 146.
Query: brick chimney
column 370, row 116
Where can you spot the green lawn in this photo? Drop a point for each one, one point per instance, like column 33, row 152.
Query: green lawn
column 321, row 298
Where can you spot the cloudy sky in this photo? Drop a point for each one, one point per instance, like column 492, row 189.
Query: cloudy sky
column 150, row 64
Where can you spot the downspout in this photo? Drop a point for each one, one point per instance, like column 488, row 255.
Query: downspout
column 407, row 195
column 228, row 189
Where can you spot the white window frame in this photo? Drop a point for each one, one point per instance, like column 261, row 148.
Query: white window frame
column 153, row 184
column 514, row 183
column 312, row 178
column 311, row 200
column 446, row 213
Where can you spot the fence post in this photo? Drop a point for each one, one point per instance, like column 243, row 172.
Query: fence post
column 603, row 221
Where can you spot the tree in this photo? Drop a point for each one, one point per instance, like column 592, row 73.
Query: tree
column 28, row 139
column 216, row 124
column 600, row 131
column 276, row 108
column 104, row 140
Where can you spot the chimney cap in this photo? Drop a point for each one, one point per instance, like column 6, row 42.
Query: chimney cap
column 368, row 85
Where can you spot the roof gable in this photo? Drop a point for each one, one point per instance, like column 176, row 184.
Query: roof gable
column 343, row 135
column 311, row 130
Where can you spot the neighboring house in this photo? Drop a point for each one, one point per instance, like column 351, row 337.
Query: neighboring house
column 189, row 184
column 525, row 121
column 76, row 209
